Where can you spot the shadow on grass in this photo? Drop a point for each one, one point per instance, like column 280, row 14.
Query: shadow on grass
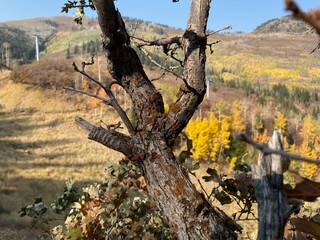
column 24, row 193
column 13, row 126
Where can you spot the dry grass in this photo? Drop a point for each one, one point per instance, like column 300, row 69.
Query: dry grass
column 41, row 147
column 249, row 226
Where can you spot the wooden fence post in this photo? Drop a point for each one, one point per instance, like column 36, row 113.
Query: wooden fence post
column 273, row 207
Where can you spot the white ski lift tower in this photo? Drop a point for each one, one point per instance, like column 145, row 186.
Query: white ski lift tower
column 37, row 47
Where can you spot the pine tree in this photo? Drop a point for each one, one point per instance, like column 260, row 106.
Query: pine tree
column 68, row 56
column 76, row 50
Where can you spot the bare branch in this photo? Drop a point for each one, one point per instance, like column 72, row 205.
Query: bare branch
column 219, row 30
column 312, row 18
column 166, row 45
column 210, row 45
column 316, row 48
column 82, row 72
column 265, row 149
column 158, row 64
column 109, row 138
column 161, row 41
column 155, row 79
column 104, row 100
column 170, row 71
column 113, row 101
column 84, row 64
column 112, row 126
column 82, row 6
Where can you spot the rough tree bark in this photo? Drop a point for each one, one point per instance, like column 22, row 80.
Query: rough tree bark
column 273, row 207
column 150, row 142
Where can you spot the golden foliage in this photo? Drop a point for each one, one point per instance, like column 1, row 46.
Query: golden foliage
column 237, row 120
column 307, row 148
column 210, row 136
column 280, row 122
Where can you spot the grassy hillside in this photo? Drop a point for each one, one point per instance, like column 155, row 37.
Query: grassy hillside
column 41, row 147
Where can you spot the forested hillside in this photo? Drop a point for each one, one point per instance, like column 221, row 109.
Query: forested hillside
column 258, row 82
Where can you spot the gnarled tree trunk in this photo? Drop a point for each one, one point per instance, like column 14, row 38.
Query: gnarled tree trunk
column 150, row 142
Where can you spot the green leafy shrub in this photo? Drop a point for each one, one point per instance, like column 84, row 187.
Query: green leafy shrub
column 118, row 208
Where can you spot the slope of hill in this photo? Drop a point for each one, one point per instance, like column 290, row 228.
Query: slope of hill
column 20, row 35
column 255, row 62
column 287, row 24
column 56, row 34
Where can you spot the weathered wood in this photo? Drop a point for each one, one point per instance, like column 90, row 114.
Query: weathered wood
column 273, row 207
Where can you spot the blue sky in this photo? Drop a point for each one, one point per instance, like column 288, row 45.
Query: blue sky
column 243, row 15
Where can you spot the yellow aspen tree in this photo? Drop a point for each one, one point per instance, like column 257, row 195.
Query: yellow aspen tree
column 308, row 169
column 261, row 137
column 203, row 148
column 193, row 129
column 237, row 120
column 220, row 107
column 280, row 122
column 224, row 134
column 307, row 148
column 214, row 143
column 308, row 130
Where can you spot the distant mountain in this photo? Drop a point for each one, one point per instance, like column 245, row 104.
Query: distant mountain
column 15, row 44
column 286, row 24
column 17, row 37
column 57, row 34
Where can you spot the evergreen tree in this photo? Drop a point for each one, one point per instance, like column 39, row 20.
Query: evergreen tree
column 76, row 50
column 68, row 56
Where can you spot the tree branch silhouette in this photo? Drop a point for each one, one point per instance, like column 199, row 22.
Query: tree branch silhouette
column 265, row 149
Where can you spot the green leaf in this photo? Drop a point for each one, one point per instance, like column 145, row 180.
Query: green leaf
column 213, row 175
column 222, row 197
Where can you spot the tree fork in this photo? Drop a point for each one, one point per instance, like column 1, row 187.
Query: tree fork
column 189, row 214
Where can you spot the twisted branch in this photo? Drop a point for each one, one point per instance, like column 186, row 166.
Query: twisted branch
column 219, row 30
column 104, row 100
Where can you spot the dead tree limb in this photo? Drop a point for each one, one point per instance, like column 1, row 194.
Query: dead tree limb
column 158, row 64
column 312, row 17
column 109, row 138
column 104, row 100
column 219, row 30
column 266, row 149
column 113, row 101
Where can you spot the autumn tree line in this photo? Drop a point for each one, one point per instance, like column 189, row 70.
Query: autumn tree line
column 215, row 140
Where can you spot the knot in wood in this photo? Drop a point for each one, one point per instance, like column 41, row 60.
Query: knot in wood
column 195, row 39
